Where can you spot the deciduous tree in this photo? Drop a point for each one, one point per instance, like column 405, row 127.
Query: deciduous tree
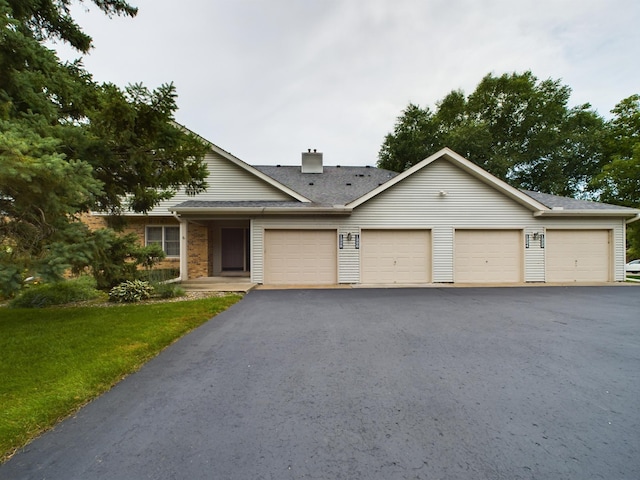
column 516, row 127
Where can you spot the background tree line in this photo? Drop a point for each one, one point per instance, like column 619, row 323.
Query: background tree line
column 69, row 145
column 523, row 131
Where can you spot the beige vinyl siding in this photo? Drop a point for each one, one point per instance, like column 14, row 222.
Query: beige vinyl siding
column 534, row 255
column 226, row 182
column 442, row 257
column 416, row 201
column 349, row 256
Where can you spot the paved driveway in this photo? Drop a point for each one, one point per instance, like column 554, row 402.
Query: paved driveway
column 437, row 383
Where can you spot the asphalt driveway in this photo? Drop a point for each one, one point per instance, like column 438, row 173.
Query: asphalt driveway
column 436, row 383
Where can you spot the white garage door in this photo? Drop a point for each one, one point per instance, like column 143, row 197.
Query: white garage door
column 578, row 255
column 300, row 256
column 488, row 256
column 395, row 256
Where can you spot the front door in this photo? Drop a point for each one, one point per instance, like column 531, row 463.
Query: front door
column 235, row 249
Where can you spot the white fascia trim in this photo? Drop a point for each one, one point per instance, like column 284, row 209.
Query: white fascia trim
column 588, row 213
column 465, row 165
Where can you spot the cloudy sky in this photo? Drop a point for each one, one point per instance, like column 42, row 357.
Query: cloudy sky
column 267, row 79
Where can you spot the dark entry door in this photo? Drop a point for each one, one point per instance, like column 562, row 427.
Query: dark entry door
column 234, row 249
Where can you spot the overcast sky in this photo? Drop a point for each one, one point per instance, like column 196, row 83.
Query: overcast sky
column 267, row 79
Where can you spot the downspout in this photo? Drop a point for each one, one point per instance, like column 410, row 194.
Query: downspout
column 184, row 265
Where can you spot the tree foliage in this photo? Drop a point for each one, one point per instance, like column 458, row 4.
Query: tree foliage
column 518, row 128
column 619, row 180
column 69, row 145
column 522, row 130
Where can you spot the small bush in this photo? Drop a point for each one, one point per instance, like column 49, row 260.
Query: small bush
column 167, row 290
column 157, row 275
column 57, row 293
column 131, row 291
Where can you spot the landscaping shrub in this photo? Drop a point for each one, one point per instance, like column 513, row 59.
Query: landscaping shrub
column 131, row 291
column 56, row 293
column 167, row 290
column 157, row 275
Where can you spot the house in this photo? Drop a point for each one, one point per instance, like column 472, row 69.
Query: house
column 445, row 220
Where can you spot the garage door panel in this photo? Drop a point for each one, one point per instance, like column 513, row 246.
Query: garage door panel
column 395, row 256
column 578, row 256
column 488, row 256
column 300, row 256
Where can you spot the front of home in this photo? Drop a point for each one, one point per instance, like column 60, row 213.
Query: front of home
column 445, row 220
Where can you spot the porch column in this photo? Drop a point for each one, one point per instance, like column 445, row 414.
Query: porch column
column 184, row 249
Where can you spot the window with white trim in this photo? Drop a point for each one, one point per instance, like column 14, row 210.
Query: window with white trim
column 167, row 237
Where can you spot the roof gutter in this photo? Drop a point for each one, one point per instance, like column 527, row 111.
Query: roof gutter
column 335, row 210
column 586, row 213
column 631, row 220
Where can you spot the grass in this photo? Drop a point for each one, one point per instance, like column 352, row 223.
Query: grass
column 55, row 360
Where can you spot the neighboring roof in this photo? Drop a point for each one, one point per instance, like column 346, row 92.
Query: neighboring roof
column 336, row 185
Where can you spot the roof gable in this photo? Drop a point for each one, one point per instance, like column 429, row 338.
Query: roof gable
column 249, row 169
column 468, row 167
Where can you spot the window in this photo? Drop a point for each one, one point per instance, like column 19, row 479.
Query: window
column 167, row 237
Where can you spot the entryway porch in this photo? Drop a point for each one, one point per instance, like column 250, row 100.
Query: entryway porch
column 219, row 284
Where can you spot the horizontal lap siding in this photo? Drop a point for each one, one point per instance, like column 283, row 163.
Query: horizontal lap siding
column 348, row 256
column 442, row 241
column 226, row 182
column 534, row 256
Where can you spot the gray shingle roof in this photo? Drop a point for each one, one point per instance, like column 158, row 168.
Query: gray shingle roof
column 566, row 203
column 339, row 185
column 335, row 186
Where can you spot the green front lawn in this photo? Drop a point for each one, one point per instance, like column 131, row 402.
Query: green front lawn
column 54, row 360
